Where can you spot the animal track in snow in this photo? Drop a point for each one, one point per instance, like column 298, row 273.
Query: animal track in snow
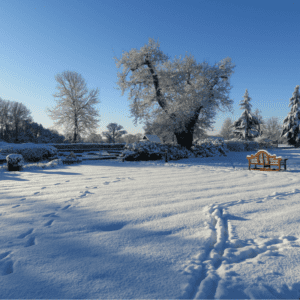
column 225, row 251
column 21, row 236
column 36, row 193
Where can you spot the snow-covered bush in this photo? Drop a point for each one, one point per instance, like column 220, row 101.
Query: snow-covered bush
column 72, row 158
column 15, row 159
column 31, row 152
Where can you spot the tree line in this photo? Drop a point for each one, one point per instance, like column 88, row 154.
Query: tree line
column 176, row 99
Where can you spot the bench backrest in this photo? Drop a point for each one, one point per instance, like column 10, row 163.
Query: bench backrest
column 264, row 157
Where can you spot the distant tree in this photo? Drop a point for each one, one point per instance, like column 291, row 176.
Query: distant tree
column 114, row 132
column 247, row 127
column 181, row 88
column 291, row 124
column 19, row 114
column 35, row 133
column 226, row 130
column 75, row 110
column 271, row 129
column 6, row 120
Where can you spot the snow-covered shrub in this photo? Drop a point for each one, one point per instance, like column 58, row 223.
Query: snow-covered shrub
column 236, row 145
column 72, row 158
column 265, row 142
column 31, row 152
column 15, row 159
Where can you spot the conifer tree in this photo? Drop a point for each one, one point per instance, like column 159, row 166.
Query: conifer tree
column 247, row 127
column 291, row 123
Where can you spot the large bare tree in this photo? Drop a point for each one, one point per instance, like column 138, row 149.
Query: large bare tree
column 75, row 108
column 181, row 88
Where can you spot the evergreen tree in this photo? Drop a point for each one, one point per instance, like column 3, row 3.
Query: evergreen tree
column 247, row 127
column 291, row 123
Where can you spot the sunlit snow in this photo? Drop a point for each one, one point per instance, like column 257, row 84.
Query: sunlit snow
column 193, row 228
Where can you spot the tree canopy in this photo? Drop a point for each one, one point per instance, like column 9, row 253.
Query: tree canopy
column 75, row 105
column 178, row 90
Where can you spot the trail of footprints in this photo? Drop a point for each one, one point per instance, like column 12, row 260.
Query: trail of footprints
column 6, row 263
column 225, row 250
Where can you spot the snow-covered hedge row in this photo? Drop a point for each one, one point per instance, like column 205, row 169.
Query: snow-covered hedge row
column 152, row 151
column 31, row 152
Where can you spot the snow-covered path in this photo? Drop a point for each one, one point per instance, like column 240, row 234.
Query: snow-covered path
column 194, row 228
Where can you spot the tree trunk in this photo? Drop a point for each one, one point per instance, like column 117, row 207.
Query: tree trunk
column 185, row 139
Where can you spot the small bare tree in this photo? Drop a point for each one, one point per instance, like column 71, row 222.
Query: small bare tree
column 75, row 109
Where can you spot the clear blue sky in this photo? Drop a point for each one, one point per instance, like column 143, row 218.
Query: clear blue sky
column 39, row 39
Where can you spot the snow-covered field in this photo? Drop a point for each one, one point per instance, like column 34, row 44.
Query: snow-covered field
column 193, row 228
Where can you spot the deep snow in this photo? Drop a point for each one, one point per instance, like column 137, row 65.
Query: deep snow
column 193, row 228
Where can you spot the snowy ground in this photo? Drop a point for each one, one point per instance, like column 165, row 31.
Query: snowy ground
column 194, row 228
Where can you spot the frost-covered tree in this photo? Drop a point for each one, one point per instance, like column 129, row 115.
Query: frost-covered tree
column 291, row 124
column 271, row 129
column 114, row 132
column 132, row 138
column 160, row 126
column 75, row 109
column 247, row 127
column 226, row 130
column 181, row 89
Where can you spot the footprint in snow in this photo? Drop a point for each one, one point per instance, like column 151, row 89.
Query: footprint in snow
column 6, row 266
column 22, row 199
column 85, row 193
column 15, row 206
column 36, row 193
column 43, row 187
column 50, row 215
column 21, row 236
column 49, row 223
column 66, row 207
column 30, row 242
column 226, row 250
column 4, row 254
column 57, row 183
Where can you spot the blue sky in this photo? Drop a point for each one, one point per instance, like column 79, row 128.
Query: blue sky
column 40, row 39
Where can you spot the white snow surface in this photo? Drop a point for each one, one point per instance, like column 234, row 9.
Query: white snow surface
column 193, row 228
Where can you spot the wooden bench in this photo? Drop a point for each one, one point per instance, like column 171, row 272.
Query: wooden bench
column 266, row 160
